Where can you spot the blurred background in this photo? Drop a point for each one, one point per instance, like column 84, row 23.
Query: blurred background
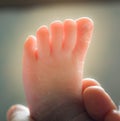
column 18, row 19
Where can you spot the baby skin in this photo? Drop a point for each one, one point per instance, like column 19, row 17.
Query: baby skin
column 53, row 64
column 53, row 67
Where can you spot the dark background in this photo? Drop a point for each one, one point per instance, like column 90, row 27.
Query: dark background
column 19, row 18
column 21, row 3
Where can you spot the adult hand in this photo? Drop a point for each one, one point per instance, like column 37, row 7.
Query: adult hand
column 97, row 103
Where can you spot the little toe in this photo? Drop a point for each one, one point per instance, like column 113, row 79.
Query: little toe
column 69, row 35
column 84, row 34
column 56, row 29
column 43, row 43
column 29, row 47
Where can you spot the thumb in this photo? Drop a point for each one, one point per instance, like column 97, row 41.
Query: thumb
column 99, row 104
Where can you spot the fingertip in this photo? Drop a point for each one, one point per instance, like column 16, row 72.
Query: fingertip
column 97, row 102
column 113, row 115
column 87, row 82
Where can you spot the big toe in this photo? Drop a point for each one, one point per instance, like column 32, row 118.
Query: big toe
column 84, row 34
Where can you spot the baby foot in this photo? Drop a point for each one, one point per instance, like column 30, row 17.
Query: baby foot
column 52, row 68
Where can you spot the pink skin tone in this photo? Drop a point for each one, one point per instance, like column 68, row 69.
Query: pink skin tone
column 53, row 65
column 90, row 88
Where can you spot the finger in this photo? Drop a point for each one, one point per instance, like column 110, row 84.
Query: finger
column 87, row 82
column 18, row 113
column 97, row 102
column 113, row 115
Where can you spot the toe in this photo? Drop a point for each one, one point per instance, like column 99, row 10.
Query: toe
column 69, row 35
column 56, row 29
column 84, row 34
column 30, row 46
column 43, row 44
column 97, row 102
